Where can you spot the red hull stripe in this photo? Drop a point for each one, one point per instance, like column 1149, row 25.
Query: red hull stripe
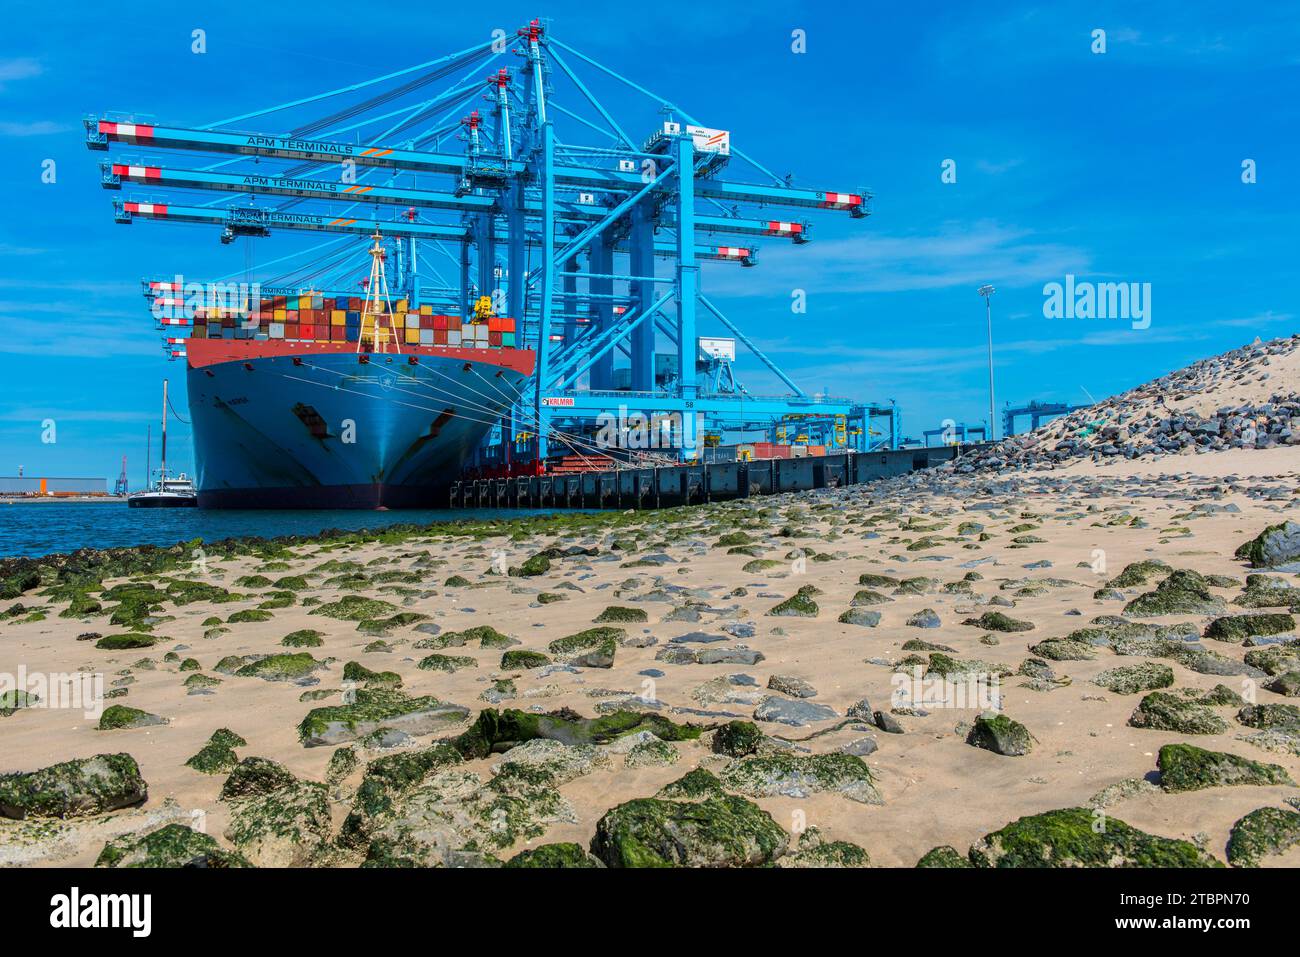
column 207, row 352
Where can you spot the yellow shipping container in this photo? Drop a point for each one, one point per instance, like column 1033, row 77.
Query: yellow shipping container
column 279, row 314
column 338, row 317
column 413, row 337
column 304, row 302
column 426, row 310
column 401, row 306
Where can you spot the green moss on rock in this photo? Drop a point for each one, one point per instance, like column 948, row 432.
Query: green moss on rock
column 1081, row 837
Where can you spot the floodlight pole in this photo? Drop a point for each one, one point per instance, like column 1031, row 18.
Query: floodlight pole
column 987, row 292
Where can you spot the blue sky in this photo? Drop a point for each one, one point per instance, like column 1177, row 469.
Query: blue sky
column 1123, row 166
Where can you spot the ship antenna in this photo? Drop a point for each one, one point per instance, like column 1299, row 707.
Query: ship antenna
column 377, row 306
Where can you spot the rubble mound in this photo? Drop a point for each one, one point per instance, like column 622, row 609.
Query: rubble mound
column 1242, row 399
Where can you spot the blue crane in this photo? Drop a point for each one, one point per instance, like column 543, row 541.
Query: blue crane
column 514, row 182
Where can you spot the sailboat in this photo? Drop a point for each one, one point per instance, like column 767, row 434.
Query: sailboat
column 176, row 492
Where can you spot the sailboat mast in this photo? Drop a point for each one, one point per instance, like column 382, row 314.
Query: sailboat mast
column 162, row 473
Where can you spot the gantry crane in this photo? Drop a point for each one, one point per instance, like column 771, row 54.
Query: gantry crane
column 485, row 188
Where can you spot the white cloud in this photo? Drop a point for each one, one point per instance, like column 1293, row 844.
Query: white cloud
column 34, row 128
column 19, row 68
column 957, row 255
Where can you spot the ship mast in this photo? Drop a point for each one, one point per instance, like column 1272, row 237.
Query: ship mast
column 377, row 306
column 162, row 472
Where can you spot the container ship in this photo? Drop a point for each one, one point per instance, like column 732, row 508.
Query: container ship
column 342, row 402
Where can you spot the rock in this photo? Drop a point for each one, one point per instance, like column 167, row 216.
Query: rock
column 1237, row 628
column 799, row 776
column 593, row 648
column 790, row 685
column 943, row 856
column 171, row 846
column 729, row 656
column 1182, row 593
column 796, row 714
column 860, row 617
column 799, row 605
column 73, row 789
column 720, row 831
column 621, row 614
column 1131, row 679
column 120, row 717
column 371, row 710
column 1287, row 684
column 1071, row 838
column 1163, row 711
column 1184, row 767
column 518, row 659
column 887, row 722
column 861, row 748
column 737, row 739
column 1274, row 546
column 997, row 621
column 552, row 856
column 653, row 753
column 1001, row 735
column 925, row 618
column 498, row 730
column 815, row 851
column 1268, row 830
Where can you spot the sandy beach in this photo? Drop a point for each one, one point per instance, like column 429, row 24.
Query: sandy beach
column 1035, row 546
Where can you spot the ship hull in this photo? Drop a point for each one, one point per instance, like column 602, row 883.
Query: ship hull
column 288, row 425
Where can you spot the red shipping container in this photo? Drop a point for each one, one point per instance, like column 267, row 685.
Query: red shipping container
column 439, row 337
column 494, row 338
column 291, row 331
column 507, row 325
column 442, row 323
column 306, row 331
column 354, row 305
column 426, row 322
column 339, row 333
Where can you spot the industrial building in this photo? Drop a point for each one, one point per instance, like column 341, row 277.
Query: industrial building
column 22, row 486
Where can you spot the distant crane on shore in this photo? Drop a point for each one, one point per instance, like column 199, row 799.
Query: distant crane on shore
column 120, row 487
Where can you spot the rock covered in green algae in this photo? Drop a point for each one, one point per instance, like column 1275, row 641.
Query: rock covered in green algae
column 303, row 638
column 1001, row 735
column 249, row 615
column 1064, row 649
column 592, row 648
column 861, row 617
column 1270, row 716
column 500, row 730
column 1162, row 711
column 794, row 775
column 618, row 613
column 357, row 672
column 737, row 739
column 813, row 850
column 1131, row 679
column 173, row 845
column 372, row 709
column 538, row 564
column 1185, row 767
column 1081, row 837
column 1237, row 628
column 1287, row 684
column 1264, row 591
column 448, row 663
column 385, row 781
column 276, row 820
column 485, row 635
column 73, row 789
column 652, row 753
column 218, row 755
column 520, row 659
column 695, row 785
column 945, row 855
column 1184, row 592
column 355, row 608
column 719, row 831
column 997, row 621
column 126, row 642
column 1275, row 545
column 1265, row 831
column 562, row 855
column 798, row 605
column 121, row 717
column 282, row 667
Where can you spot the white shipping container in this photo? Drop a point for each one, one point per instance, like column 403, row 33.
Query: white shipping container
column 426, row 337
column 413, row 320
column 453, row 337
column 275, row 330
